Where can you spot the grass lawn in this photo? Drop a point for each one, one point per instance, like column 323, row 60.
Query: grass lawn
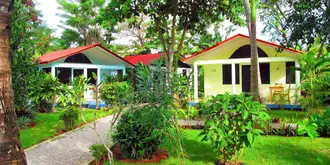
column 268, row 150
column 288, row 116
column 47, row 125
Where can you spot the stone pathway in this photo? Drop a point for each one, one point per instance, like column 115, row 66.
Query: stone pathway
column 68, row 149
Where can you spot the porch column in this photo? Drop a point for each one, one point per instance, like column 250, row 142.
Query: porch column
column 233, row 78
column 85, row 72
column 98, row 76
column 53, row 71
column 297, row 77
column 195, row 82
column 124, row 71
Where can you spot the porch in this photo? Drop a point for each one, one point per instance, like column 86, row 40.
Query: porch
column 65, row 72
column 233, row 76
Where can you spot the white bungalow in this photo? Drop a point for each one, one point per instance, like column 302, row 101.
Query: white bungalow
column 84, row 60
column 227, row 68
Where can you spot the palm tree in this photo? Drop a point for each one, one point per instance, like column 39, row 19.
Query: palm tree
column 11, row 150
column 251, row 19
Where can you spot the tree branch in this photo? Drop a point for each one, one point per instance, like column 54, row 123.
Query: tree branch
column 167, row 31
column 161, row 38
column 182, row 39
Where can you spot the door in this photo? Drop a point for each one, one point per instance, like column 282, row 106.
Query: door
column 246, row 78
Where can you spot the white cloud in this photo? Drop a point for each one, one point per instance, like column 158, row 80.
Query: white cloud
column 49, row 9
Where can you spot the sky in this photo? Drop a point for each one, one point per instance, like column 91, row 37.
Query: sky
column 49, row 9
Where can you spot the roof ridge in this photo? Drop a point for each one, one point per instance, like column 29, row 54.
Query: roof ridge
column 233, row 37
column 56, row 55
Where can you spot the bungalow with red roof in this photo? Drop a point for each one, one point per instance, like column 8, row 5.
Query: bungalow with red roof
column 227, row 68
column 147, row 59
column 84, row 60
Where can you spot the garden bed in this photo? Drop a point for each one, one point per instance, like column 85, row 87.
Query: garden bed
column 159, row 156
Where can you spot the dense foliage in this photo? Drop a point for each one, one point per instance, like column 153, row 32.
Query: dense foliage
column 315, row 76
column 183, row 89
column 79, row 87
column 69, row 116
column 137, row 139
column 323, row 123
column 153, row 99
column 115, row 92
column 170, row 19
column 24, row 122
column 316, row 125
column 43, row 90
column 296, row 23
column 231, row 124
column 23, row 37
column 79, row 20
column 98, row 151
column 30, row 37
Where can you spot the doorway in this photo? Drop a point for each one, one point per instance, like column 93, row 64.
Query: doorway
column 246, row 78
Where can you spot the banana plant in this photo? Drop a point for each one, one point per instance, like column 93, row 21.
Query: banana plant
column 312, row 69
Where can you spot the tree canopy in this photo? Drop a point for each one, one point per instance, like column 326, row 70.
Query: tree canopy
column 79, row 22
column 296, row 23
column 171, row 18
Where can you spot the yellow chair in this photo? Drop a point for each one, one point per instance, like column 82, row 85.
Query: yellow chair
column 286, row 94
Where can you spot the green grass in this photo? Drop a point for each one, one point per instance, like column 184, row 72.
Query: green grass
column 48, row 124
column 268, row 150
column 288, row 116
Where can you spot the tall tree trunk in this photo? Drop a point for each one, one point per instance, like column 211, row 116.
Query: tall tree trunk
column 11, row 150
column 256, row 88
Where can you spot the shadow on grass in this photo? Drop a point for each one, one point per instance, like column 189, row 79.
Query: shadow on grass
column 197, row 151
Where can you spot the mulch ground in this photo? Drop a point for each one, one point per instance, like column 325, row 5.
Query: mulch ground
column 156, row 158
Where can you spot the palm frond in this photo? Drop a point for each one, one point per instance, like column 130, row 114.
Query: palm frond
column 324, row 70
column 322, row 62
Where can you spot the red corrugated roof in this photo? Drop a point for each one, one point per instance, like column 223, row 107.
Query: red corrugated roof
column 145, row 59
column 233, row 37
column 56, row 55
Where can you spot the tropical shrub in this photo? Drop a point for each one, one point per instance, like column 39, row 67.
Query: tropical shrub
column 231, row 124
column 98, row 151
column 25, row 33
column 315, row 77
column 69, row 117
column 182, row 88
column 323, row 123
column 308, row 127
column 116, row 93
column 79, row 87
column 64, row 95
column 117, row 78
column 43, row 90
column 316, row 125
column 189, row 113
column 137, row 139
column 27, row 111
column 155, row 93
column 24, row 122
